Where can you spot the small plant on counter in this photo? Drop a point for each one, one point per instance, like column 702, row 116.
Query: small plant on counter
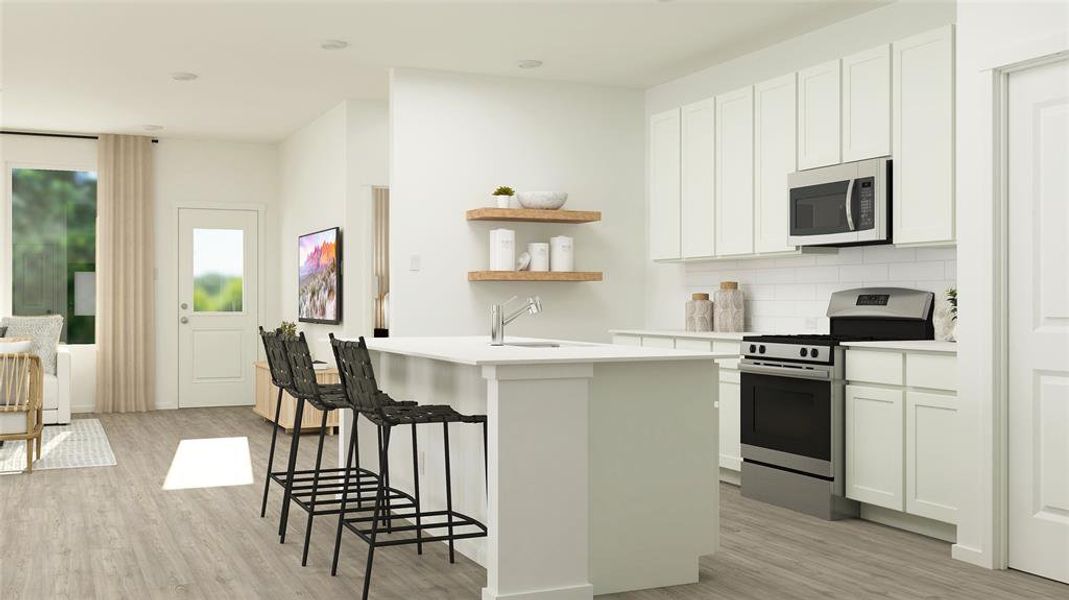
column 504, row 191
column 952, row 299
column 288, row 328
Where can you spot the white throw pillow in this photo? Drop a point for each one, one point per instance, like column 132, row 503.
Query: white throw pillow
column 44, row 333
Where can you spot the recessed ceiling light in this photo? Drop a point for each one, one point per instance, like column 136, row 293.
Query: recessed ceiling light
column 183, row 76
column 151, row 127
column 334, row 44
column 529, row 63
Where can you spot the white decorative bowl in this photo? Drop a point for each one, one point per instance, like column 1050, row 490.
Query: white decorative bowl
column 542, row 200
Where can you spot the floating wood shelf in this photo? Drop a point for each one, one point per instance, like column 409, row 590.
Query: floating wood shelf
column 531, row 215
column 533, row 276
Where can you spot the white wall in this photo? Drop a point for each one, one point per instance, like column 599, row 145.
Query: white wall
column 772, row 285
column 454, row 138
column 989, row 36
column 191, row 172
column 325, row 167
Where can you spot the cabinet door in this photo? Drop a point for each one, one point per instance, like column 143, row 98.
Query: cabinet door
column 875, row 446
column 932, row 463
column 730, row 421
column 818, row 116
column 664, row 185
column 923, row 137
column 697, row 179
column 867, row 104
column 734, row 173
column 775, row 154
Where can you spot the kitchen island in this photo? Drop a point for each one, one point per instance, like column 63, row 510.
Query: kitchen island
column 602, row 458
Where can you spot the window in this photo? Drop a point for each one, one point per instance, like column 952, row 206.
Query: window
column 218, row 270
column 53, row 248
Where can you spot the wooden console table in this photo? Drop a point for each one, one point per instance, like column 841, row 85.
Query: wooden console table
column 267, row 396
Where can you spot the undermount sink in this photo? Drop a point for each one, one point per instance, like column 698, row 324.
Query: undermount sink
column 533, row 344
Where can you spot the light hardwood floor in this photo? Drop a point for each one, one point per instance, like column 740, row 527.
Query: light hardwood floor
column 114, row 533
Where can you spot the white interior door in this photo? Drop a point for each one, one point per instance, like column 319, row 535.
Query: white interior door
column 217, row 302
column 1038, row 186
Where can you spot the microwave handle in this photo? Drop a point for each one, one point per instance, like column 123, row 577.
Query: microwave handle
column 850, row 205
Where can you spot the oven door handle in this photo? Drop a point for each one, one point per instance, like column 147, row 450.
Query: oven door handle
column 747, row 366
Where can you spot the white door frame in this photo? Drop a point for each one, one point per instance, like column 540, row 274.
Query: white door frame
column 1000, row 296
column 261, row 306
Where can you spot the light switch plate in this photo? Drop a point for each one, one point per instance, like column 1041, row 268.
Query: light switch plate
column 413, row 262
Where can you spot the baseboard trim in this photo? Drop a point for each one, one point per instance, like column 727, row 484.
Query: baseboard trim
column 968, row 554
column 576, row 592
column 730, row 476
column 912, row 523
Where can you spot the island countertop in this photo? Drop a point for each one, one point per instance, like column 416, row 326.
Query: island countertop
column 477, row 351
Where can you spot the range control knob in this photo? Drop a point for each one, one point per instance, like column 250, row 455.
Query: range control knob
column 804, row 352
column 753, row 348
column 814, row 353
column 761, row 349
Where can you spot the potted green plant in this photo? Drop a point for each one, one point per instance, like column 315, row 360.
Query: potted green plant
column 288, row 328
column 946, row 316
column 502, row 196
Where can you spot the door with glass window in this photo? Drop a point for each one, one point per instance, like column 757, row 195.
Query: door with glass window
column 217, row 306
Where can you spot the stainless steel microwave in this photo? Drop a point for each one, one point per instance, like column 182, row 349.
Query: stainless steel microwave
column 841, row 205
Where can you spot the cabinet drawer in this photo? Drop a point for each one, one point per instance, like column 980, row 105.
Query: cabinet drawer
column 727, row 347
column 730, row 376
column 935, row 371
column 627, row 340
column 658, row 342
column 691, row 344
column 874, row 366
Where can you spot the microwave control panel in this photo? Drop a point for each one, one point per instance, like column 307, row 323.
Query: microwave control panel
column 865, row 190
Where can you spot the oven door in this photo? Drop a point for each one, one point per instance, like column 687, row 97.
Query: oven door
column 788, row 417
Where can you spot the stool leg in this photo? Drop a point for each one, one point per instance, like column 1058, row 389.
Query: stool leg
column 344, row 495
column 486, row 460
column 379, row 497
column 384, row 475
column 315, row 490
column 355, row 450
column 448, row 491
column 294, row 445
column 271, row 454
column 415, row 484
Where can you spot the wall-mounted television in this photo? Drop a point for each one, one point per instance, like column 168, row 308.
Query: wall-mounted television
column 319, row 277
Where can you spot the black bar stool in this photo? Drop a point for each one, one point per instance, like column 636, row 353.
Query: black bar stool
column 358, row 380
column 316, row 490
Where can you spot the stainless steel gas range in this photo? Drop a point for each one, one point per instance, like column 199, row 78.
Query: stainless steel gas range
column 792, row 400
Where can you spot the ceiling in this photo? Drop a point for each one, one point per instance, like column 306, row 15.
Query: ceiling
column 106, row 67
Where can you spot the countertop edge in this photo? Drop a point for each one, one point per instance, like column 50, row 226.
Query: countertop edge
column 908, row 346
column 698, row 335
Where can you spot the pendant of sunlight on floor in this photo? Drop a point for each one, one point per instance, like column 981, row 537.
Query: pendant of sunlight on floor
column 208, row 463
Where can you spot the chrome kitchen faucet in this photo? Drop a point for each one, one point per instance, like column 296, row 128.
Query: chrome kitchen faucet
column 498, row 320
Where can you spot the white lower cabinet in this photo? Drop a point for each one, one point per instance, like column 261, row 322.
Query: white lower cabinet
column 931, row 455
column 730, row 421
column 902, row 437
column 874, row 434
column 730, row 386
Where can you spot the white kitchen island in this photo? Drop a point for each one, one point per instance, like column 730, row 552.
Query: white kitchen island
column 602, row 458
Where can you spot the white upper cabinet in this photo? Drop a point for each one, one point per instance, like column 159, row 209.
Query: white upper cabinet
column 818, row 116
column 775, row 111
column 664, row 182
column 697, row 177
column 867, row 104
column 734, row 173
column 923, row 137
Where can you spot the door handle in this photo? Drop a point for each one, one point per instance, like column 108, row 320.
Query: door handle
column 183, row 320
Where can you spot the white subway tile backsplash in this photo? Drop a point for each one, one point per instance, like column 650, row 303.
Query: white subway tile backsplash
column 935, row 269
column 860, row 273
column 789, row 294
column 888, row 254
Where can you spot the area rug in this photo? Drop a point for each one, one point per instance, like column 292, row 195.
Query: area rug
column 81, row 444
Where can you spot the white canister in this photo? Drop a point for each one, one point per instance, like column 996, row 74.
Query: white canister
column 502, row 250
column 561, row 254
column 539, row 252
column 729, row 308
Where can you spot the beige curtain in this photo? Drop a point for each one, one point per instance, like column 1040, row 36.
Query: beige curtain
column 125, row 324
